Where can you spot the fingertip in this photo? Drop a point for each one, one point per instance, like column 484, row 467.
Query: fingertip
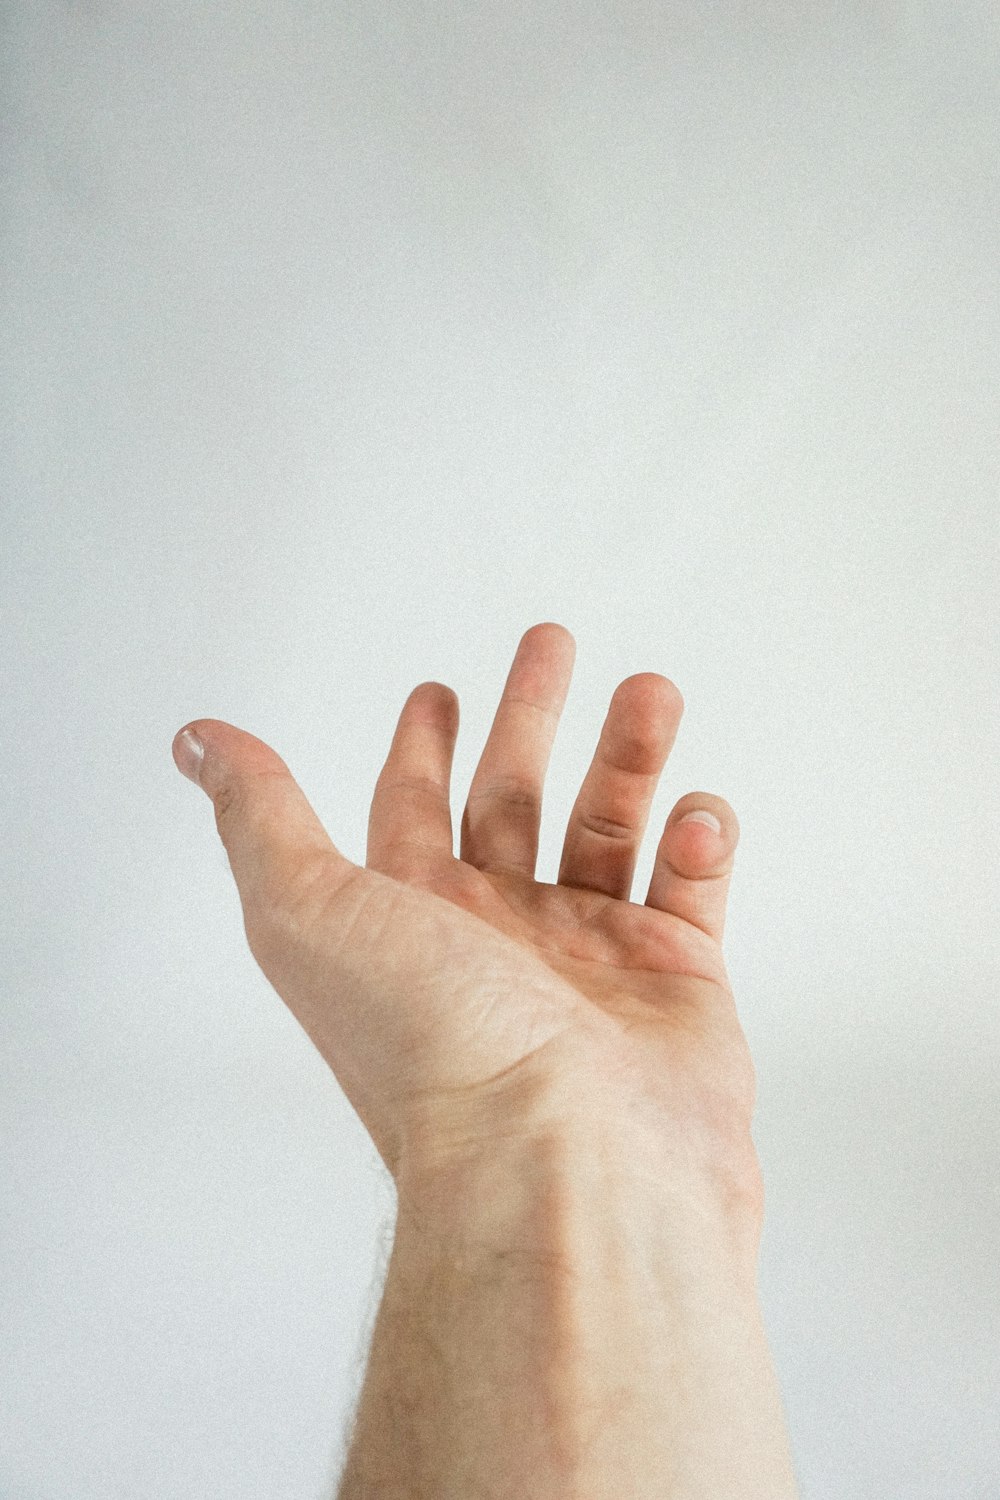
column 711, row 812
column 229, row 756
column 188, row 751
column 553, row 630
column 199, row 752
column 702, row 833
column 434, row 700
column 704, row 817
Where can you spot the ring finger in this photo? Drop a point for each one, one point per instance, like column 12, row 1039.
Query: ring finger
column 610, row 814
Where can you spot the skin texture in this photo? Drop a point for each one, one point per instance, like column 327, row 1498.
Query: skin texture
column 554, row 1327
column 454, row 996
column 557, row 1079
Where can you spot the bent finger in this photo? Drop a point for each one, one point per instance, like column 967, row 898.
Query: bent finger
column 694, row 862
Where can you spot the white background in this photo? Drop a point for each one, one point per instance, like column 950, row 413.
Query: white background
column 341, row 344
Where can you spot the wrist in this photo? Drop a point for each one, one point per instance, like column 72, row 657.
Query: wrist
column 517, row 1167
column 547, row 1199
column 604, row 1311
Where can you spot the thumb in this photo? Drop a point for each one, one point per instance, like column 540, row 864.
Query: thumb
column 267, row 825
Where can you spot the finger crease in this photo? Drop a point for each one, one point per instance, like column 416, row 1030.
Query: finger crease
column 606, row 827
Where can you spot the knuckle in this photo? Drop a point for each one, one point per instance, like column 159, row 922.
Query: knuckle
column 422, row 785
column 634, row 751
column 227, row 803
column 606, row 828
column 512, row 791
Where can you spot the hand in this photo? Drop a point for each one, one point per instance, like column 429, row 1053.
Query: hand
column 458, row 998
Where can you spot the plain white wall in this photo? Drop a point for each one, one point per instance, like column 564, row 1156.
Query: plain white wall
column 341, row 344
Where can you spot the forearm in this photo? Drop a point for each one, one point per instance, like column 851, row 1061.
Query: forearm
column 559, row 1325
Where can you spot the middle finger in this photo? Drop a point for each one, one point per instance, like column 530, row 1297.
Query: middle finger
column 500, row 825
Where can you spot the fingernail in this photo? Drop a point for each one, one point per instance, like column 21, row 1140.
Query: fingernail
column 189, row 753
column 709, row 819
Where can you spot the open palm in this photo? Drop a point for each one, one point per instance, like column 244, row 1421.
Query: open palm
column 447, row 993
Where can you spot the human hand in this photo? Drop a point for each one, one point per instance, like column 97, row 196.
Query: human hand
column 456, row 999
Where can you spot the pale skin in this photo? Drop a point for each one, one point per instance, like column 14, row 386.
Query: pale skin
column 462, row 1002
column 469, row 968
